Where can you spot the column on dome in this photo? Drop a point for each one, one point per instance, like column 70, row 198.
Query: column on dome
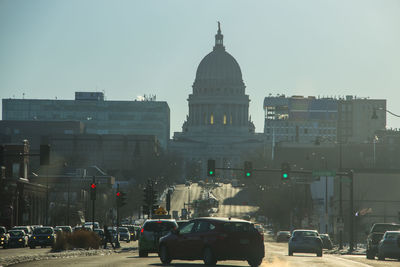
column 190, row 119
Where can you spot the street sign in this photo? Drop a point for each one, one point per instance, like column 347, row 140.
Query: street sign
column 160, row 211
column 323, row 173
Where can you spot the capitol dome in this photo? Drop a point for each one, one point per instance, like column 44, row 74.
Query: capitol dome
column 218, row 69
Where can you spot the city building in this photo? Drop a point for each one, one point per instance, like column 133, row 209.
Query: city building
column 307, row 120
column 99, row 116
column 218, row 125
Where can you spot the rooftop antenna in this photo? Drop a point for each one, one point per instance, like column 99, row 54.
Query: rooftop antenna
column 23, row 95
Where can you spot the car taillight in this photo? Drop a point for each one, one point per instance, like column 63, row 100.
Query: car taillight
column 141, row 231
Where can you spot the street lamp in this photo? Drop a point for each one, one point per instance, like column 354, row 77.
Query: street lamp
column 375, row 116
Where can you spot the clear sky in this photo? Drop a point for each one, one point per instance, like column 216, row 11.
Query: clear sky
column 52, row 48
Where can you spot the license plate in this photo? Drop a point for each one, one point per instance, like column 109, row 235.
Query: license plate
column 244, row 241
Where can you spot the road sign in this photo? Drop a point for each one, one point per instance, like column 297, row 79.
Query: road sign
column 160, row 211
column 323, row 173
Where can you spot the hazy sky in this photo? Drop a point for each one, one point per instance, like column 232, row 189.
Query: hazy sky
column 53, row 48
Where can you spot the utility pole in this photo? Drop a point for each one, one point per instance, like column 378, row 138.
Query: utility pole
column 340, row 190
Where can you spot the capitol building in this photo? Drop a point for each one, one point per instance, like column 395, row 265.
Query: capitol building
column 218, row 125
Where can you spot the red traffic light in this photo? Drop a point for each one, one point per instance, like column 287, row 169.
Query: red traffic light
column 93, row 186
column 118, row 194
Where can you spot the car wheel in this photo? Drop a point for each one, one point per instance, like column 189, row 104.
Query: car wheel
column 381, row 257
column 369, row 255
column 254, row 262
column 32, row 247
column 208, row 257
column 319, row 253
column 143, row 253
column 164, row 255
column 290, row 253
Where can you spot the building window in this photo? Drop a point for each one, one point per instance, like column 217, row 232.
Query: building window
column 15, row 170
column 224, row 119
column 212, row 119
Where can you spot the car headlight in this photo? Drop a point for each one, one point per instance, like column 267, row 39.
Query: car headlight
column 34, row 237
column 20, row 240
column 2, row 238
column 48, row 236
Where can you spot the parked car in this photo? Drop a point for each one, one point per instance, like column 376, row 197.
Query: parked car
column 259, row 228
column 92, row 225
column 283, row 236
column 4, row 236
column 375, row 235
column 132, row 231
column 18, row 238
column 213, row 239
column 326, row 241
column 42, row 236
column 305, row 241
column 124, row 234
column 389, row 247
column 65, row 228
column 151, row 233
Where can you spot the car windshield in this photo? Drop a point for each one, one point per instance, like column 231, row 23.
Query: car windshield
column 98, row 231
column 16, row 233
column 159, row 226
column 381, row 228
column 238, row 227
column 66, row 229
column 2, row 230
column 43, row 231
column 392, row 235
column 305, row 234
column 123, row 230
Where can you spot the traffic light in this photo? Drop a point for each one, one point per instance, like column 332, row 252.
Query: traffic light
column 121, row 199
column 285, row 171
column 44, row 155
column 93, row 191
column 248, row 169
column 211, row 167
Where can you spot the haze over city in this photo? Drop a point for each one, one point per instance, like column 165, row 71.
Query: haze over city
column 50, row 49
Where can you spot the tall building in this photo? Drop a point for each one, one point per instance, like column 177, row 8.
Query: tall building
column 98, row 115
column 218, row 125
column 311, row 120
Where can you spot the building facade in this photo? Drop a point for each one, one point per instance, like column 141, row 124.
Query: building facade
column 299, row 119
column 218, row 124
column 98, row 115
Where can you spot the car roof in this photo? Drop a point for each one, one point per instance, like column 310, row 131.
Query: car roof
column 162, row 220
column 222, row 219
column 394, row 232
column 305, row 230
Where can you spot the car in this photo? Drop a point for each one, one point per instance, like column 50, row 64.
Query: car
column 389, row 246
column 375, row 235
column 42, row 236
column 151, row 232
column 27, row 229
column 91, row 224
column 305, row 241
column 213, row 239
column 182, row 223
column 326, row 241
column 259, row 228
column 4, row 237
column 283, row 236
column 115, row 236
column 132, row 231
column 100, row 233
column 124, row 234
column 65, row 228
column 18, row 238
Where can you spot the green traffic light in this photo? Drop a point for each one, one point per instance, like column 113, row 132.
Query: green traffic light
column 248, row 174
column 211, row 172
column 285, row 175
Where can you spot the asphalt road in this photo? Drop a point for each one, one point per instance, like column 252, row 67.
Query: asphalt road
column 276, row 255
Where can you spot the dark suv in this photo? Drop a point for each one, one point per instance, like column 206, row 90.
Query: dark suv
column 151, row 233
column 212, row 240
column 3, row 237
column 42, row 236
column 375, row 235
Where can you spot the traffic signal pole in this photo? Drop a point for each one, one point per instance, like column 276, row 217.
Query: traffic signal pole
column 93, row 201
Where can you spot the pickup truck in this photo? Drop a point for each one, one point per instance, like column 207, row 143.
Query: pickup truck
column 375, row 235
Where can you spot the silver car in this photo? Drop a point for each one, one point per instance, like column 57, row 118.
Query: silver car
column 389, row 246
column 305, row 241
